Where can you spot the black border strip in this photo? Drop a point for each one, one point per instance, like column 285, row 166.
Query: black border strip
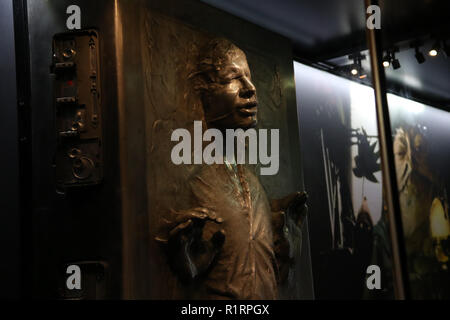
column 21, row 39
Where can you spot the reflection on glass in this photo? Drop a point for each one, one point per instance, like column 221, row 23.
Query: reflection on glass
column 342, row 171
column 421, row 140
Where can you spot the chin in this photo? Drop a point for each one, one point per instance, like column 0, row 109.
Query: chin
column 253, row 124
column 246, row 124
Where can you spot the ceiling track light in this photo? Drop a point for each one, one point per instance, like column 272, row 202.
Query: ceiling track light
column 419, row 56
column 416, row 44
column 356, row 68
column 394, row 61
column 390, row 60
column 433, row 52
column 395, row 64
column 387, row 60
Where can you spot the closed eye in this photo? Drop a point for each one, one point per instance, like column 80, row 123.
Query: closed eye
column 231, row 78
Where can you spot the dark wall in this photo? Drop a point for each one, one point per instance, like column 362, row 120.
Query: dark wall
column 9, row 184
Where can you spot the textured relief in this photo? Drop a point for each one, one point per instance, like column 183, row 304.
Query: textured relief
column 225, row 238
column 182, row 238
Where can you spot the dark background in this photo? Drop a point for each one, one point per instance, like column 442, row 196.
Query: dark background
column 325, row 32
column 10, row 267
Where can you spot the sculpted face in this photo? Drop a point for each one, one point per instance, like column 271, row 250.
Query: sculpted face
column 229, row 102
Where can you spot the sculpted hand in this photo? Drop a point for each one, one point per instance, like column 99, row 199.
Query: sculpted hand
column 292, row 206
column 189, row 254
column 288, row 215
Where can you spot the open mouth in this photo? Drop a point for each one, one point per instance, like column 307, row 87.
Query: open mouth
column 249, row 109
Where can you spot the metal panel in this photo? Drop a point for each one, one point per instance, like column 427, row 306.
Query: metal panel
column 76, row 224
column 78, row 108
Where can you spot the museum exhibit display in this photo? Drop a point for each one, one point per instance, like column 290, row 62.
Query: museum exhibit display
column 199, row 150
column 420, row 142
column 420, row 135
column 421, row 154
column 348, row 230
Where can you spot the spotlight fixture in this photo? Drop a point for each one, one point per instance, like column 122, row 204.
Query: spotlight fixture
column 387, row 60
column 356, row 68
column 395, row 62
column 434, row 49
column 433, row 52
column 419, row 56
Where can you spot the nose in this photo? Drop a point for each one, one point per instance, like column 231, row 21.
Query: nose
column 248, row 90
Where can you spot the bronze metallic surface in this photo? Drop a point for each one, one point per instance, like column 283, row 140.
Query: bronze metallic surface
column 160, row 50
column 77, row 103
column 224, row 245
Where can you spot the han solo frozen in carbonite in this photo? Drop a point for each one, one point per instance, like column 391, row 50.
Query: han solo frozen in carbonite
column 233, row 243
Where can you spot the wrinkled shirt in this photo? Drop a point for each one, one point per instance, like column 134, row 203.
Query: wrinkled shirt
column 246, row 267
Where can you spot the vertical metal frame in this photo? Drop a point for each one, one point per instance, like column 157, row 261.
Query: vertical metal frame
column 390, row 187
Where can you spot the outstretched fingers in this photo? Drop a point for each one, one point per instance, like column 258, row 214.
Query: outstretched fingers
column 199, row 213
column 180, row 227
column 293, row 200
